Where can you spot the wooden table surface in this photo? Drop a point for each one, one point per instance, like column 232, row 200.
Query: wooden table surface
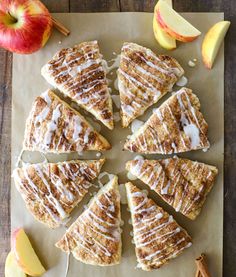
column 226, row 6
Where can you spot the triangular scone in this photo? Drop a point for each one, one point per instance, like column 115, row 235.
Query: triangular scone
column 182, row 183
column 95, row 237
column 51, row 191
column 143, row 78
column 53, row 126
column 176, row 126
column 79, row 72
column 157, row 236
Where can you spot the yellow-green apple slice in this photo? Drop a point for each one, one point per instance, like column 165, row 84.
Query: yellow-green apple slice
column 174, row 24
column 212, row 42
column 169, row 2
column 25, row 255
column 161, row 36
column 11, row 267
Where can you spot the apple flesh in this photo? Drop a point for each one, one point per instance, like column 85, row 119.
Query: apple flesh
column 174, row 24
column 212, row 42
column 161, row 36
column 25, row 255
column 11, row 267
column 25, row 25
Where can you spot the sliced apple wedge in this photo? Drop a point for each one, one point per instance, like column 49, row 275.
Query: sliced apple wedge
column 169, row 2
column 212, row 42
column 161, row 36
column 174, row 24
column 24, row 254
column 11, row 267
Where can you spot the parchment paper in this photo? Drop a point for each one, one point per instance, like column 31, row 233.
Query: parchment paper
column 111, row 30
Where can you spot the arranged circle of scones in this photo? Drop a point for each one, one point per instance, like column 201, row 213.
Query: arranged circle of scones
column 52, row 190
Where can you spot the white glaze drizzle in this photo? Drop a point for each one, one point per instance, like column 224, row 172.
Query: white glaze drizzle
column 67, row 198
column 155, row 178
column 79, row 139
column 19, row 158
column 182, row 82
column 52, row 126
column 159, row 232
column 191, row 133
column 115, row 64
column 136, row 124
column 143, row 72
column 116, row 116
column 75, row 72
column 97, row 225
column 116, row 100
column 130, row 176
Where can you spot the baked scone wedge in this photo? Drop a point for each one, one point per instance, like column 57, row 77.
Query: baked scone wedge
column 157, row 236
column 95, row 237
column 176, row 126
column 52, row 190
column 53, row 126
column 143, row 78
column 182, row 183
column 79, row 73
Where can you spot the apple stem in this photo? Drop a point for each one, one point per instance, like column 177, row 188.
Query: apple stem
column 12, row 19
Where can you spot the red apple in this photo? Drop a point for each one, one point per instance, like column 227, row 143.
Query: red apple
column 25, row 25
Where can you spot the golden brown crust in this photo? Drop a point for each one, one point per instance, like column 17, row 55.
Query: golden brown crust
column 95, row 237
column 53, row 126
column 143, row 78
column 157, row 236
column 79, row 73
column 182, row 183
column 176, row 126
column 51, row 191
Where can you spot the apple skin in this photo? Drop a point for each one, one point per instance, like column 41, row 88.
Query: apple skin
column 165, row 41
column 212, row 42
column 171, row 32
column 25, row 25
column 14, row 238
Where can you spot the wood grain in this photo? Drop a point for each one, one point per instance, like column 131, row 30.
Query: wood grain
column 137, row 5
column 5, row 150
column 57, row 6
column 229, row 7
column 94, row 6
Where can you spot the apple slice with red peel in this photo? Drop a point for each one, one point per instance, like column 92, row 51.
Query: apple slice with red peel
column 161, row 36
column 174, row 24
column 212, row 42
column 25, row 255
column 11, row 267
